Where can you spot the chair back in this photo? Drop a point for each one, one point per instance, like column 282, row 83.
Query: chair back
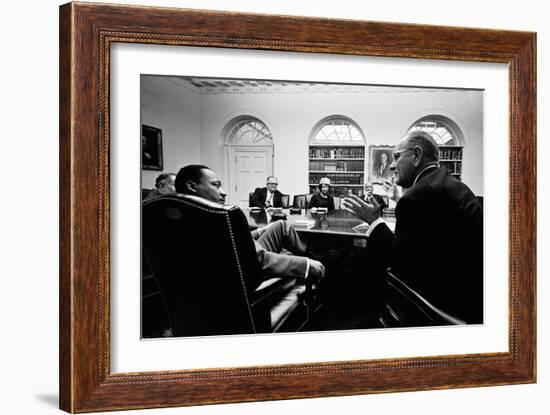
column 250, row 199
column 404, row 307
column 144, row 193
column 205, row 263
column 299, row 201
column 302, row 201
column 285, row 201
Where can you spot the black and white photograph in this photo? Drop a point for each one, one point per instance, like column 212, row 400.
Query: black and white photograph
column 276, row 213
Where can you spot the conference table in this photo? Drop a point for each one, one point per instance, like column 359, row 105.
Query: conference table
column 350, row 295
column 337, row 238
column 336, row 223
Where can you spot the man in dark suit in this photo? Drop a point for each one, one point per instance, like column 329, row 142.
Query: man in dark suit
column 164, row 183
column 369, row 195
column 269, row 196
column 437, row 248
column 199, row 181
column 382, row 168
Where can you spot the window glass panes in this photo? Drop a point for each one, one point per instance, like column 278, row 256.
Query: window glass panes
column 441, row 132
column 249, row 131
column 337, row 131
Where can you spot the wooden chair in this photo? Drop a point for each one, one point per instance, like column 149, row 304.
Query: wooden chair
column 301, row 201
column 285, row 200
column 205, row 262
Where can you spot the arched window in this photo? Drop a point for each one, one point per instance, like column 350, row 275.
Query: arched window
column 337, row 131
column 337, row 152
column 449, row 139
column 248, row 130
column 444, row 131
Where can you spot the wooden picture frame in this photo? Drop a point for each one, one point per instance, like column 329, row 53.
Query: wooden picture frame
column 376, row 172
column 87, row 32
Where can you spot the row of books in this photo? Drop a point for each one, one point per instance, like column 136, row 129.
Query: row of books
column 337, row 152
column 450, row 154
column 454, row 167
column 337, row 178
column 359, row 153
column 337, row 165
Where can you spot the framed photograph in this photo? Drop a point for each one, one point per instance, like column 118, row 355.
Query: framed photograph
column 214, row 101
column 380, row 158
column 151, row 148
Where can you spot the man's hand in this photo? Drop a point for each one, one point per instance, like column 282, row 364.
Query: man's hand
column 366, row 211
column 316, row 271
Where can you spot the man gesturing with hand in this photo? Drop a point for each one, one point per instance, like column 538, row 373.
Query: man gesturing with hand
column 437, row 248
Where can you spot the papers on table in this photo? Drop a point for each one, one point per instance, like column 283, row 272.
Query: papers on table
column 303, row 223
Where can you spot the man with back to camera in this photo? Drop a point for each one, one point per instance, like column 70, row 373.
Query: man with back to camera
column 269, row 196
column 200, row 181
column 437, row 248
column 164, row 183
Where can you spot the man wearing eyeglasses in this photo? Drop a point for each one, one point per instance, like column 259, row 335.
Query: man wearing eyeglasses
column 437, row 248
column 267, row 197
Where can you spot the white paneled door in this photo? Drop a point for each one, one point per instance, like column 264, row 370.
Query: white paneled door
column 249, row 168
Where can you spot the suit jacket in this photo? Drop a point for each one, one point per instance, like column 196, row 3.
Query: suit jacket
column 260, row 195
column 437, row 248
column 382, row 173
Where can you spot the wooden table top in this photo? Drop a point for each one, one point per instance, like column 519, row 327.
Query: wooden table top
column 338, row 222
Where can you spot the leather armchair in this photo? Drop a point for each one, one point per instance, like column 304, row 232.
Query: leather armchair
column 205, row 262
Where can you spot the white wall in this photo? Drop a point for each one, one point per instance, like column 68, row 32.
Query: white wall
column 382, row 115
column 29, row 211
column 177, row 113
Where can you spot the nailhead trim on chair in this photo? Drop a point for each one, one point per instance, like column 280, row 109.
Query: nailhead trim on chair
column 220, row 211
column 240, row 273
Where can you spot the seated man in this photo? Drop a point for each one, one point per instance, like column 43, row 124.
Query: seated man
column 269, row 196
column 200, row 181
column 437, row 248
column 322, row 199
column 369, row 195
column 165, row 183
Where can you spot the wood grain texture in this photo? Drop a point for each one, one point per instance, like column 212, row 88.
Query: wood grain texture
column 86, row 33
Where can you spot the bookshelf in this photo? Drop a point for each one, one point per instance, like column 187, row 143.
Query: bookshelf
column 343, row 165
column 450, row 157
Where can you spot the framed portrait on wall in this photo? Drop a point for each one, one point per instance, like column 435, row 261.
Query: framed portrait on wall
column 380, row 158
column 151, row 148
